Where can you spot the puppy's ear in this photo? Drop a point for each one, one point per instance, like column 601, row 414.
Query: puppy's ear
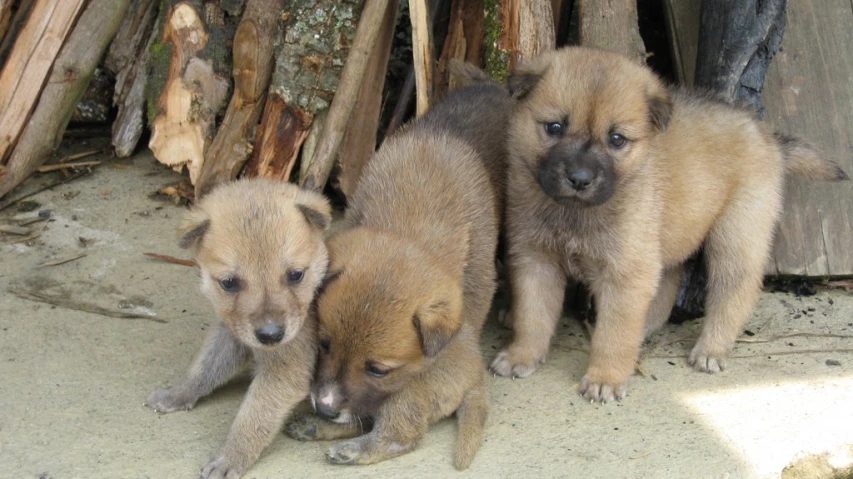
column 521, row 83
column 193, row 227
column 438, row 320
column 315, row 208
column 660, row 108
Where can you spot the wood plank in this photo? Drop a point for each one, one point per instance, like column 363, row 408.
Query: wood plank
column 611, row 25
column 29, row 64
column 423, row 52
column 807, row 93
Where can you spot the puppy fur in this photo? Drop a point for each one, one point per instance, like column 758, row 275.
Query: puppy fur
column 411, row 279
column 259, row 246
column 615, row 180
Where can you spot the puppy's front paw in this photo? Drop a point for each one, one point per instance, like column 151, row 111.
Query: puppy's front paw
column 515, row 362
column 347, row 452
column 702, row 360
column 303, row 428
column 171, row 399
column 598, row 390
column 222, row 467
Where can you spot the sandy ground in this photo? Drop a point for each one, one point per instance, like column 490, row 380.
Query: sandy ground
column 74, row 382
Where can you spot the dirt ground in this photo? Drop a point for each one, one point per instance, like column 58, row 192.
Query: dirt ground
column 74, row 382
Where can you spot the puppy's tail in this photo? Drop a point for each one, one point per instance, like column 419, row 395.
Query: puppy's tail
column 803, row 159
column 471, row 419
column 464, row 74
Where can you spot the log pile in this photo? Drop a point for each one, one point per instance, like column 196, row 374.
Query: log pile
column 297, row 90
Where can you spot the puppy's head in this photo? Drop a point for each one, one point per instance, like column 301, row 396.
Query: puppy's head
column 259, row 245
column 584, row 121
column 384, row 314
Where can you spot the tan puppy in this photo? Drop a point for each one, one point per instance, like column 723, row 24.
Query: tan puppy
column 259, row 245
column 411, row 281
column 615, row 180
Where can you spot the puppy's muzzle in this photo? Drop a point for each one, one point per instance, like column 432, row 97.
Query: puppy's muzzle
column 270, row 334
column 326, row 402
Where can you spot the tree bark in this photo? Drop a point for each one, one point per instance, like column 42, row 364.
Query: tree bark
column 359, row 140
column 611, row 25
column 253, row 64
column 308, row 63
column 29, row 65
column 127, row 59
column 189, row 83
column 464, row 40
column 68, row 79
column 515, row 30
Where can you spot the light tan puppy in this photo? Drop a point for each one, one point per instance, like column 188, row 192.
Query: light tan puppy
column 411, row 280
column 259, row 245
column 615, row 180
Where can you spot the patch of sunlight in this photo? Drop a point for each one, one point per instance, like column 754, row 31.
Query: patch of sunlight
column 770, row 426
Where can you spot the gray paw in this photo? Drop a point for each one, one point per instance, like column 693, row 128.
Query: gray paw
column 602, row 393
column 303, row 429
column 170, row 399
column 221, row 467
column 515, row 364
column 346, row 452
column 706, row 362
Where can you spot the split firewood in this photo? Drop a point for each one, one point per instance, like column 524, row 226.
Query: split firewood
column 515, row 30
column 13, row 17
column 359, row 140
column 127, row 59
column 308, row 67
column 190, row 71
column 464, row 40
column 611, row 25
column 423, row 52
column 71, row 71
column 253, row 62
column 29, row 65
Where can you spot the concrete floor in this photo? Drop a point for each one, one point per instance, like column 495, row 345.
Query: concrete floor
column 74, row 382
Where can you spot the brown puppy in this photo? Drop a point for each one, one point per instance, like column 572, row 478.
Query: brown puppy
column 615, row 180
column 411, row 281
column 259, row 245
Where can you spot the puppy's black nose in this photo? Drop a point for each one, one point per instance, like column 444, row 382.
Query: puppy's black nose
column 270, row 334
column 581, row 178
column 326, row 411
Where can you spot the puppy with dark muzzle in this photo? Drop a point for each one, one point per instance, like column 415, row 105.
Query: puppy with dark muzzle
column 616, row 180
column 259, row 245
column 411, row 279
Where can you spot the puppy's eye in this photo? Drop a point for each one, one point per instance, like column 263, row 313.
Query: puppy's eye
column 554, row 128
column 325, row 345
column 617, row 141
column 295, row 276
column 230, row 284
column 376, row 371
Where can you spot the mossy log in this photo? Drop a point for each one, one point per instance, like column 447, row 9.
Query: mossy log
column 515, row 30
column 309, row 60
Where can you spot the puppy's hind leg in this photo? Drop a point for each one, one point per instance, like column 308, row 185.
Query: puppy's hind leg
column 736, row 252
column 471, row 417
column 664, row 299
column 217, row 361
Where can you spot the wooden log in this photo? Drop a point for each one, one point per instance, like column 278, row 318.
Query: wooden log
column 341, row 108
column 611, row 25
column 253, row 65
column 193, row 93
column 14, row 17
column 515, row 30
column 29, row 64
column 309, row 61
column 127, row 59
column 359, row 140
column 71, row 71
column 464, row 40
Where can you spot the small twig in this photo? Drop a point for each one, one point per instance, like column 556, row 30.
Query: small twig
column 62, row 260
column 62, row 166
column 14, row 230
column 25, row 239
column 46, row 187
column 78, row 156
column 37, row 219
column 171, row 259
column 85, row 307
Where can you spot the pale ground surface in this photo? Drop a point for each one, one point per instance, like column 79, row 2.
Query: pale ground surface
column 73, row 383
